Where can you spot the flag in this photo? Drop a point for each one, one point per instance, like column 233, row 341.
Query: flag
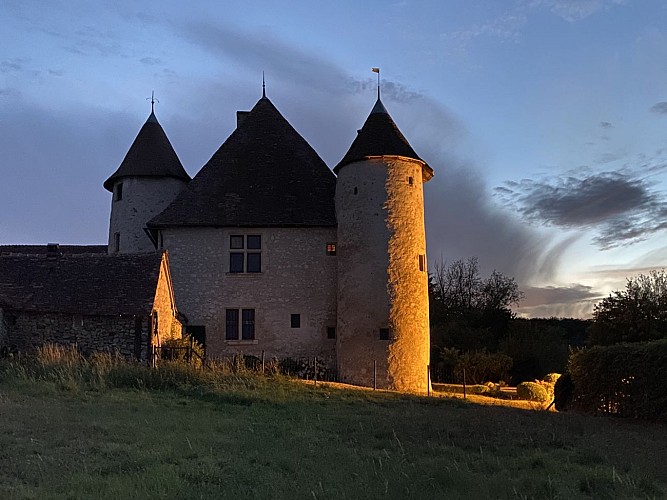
column 375, row 70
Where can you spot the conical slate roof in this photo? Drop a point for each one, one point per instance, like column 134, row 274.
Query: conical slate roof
column 264, row 174
column 380, row 137
column 151, row 155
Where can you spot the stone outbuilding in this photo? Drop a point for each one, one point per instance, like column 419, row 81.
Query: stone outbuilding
column 80, row 296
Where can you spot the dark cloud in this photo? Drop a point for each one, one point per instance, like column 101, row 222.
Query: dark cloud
column 548, row 295
column 12, row 65
column 621, row 208
column 660, row 108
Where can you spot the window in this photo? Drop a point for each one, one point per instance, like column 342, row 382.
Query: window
column 119, row 191
column 232, row 324
column 331, row 249
column 246, row 253
column 116, row 242
column 331, row 332
column 295, row 320
column 411, row 181
column 384, row 333
column 422, row 262
column 356, row 190
column 77, row 320
column 247, row 324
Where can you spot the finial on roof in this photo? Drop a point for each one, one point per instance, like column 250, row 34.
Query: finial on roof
column 377, row 70
column 153, row 100
column 263, row 85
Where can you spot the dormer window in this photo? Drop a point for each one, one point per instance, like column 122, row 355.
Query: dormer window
column 118, row 192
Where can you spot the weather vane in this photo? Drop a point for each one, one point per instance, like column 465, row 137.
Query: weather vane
column 377, row 70
column 263, row 85
column 153, row 100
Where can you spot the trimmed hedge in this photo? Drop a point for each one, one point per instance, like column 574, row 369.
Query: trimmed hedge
column 626, row 380
column 532, row 391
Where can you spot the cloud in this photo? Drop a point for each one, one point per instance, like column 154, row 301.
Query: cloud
column 575, row 10
column 606, row 125
column 550, row 295
column 150, row 61
column 621, row 208
column 12, row 65
column 660, row 108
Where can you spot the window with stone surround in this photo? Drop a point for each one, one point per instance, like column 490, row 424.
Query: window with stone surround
column 239, row 324
column 245, row 253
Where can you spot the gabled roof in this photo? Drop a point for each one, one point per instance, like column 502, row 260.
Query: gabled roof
column 108, row 285
column 265, row 174
column 151, row 155
column 381, row 137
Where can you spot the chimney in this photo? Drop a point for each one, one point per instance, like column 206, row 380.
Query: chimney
column 240, row 117
column 53, row 250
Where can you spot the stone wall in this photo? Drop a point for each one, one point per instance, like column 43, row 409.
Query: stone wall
column 380, row 213
column 298, row 277
column 165, row 309
column 143, row 198
column 127, row 335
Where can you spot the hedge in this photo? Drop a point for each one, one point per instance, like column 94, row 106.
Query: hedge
column 626, row 380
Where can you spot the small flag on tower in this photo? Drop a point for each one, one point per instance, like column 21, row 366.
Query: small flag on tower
column 375, row 70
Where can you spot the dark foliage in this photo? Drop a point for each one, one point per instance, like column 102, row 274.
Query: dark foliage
column 627, row 380
column 636, row 314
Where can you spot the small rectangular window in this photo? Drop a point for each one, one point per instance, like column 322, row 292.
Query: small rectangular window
column 295, row 320
column 116, row 242
column 422, row 262
column 119, row 191
column 331, row 332
column 331, row 249
column 384, row 333
column 248, row 325
column 232, row 324
column 77, row 321
column 236, row 262
column 411, row 181
column 236, row 242
column 254, row 242
column 254, row 262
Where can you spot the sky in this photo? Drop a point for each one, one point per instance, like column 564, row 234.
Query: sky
column 545, row 120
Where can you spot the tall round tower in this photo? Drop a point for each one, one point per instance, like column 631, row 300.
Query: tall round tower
column 382, row 317
column 148, row 179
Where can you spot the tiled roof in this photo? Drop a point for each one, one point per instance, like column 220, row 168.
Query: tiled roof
column 264, row 174
column 380, row 137
column 80, row 284
column 43, row 249
column 151, row 155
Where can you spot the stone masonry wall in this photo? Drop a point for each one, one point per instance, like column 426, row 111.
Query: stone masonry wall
column 143, row 198
column 363, row 260
column 29, row 330
column 380, row 211
column 297, row 278
column 409, row 351
column 168, row 325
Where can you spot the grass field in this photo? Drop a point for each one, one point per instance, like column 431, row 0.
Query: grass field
column 68, row 432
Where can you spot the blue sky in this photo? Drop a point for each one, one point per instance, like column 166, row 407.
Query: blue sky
column 545, row 120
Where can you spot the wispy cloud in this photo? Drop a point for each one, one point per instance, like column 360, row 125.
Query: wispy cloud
column 623, row 208
column 574, row 10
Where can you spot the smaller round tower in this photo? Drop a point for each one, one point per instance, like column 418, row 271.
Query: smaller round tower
column 383, row 335
column 147, row 180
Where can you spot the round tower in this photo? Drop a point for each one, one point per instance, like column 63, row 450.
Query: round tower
column 148, row 179
column 382, row 317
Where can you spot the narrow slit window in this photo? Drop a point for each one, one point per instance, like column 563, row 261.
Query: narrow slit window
column 422, row 262
column 331, row 332
column 295, row 320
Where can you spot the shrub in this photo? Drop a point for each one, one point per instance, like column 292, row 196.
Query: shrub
column 563, row 389
column 532, row 391
column 627, row 380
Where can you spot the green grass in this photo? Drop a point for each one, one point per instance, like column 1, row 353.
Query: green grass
column 122, row 431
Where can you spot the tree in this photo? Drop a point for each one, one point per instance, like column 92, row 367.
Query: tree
column 467, row 311
column 636, row 314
